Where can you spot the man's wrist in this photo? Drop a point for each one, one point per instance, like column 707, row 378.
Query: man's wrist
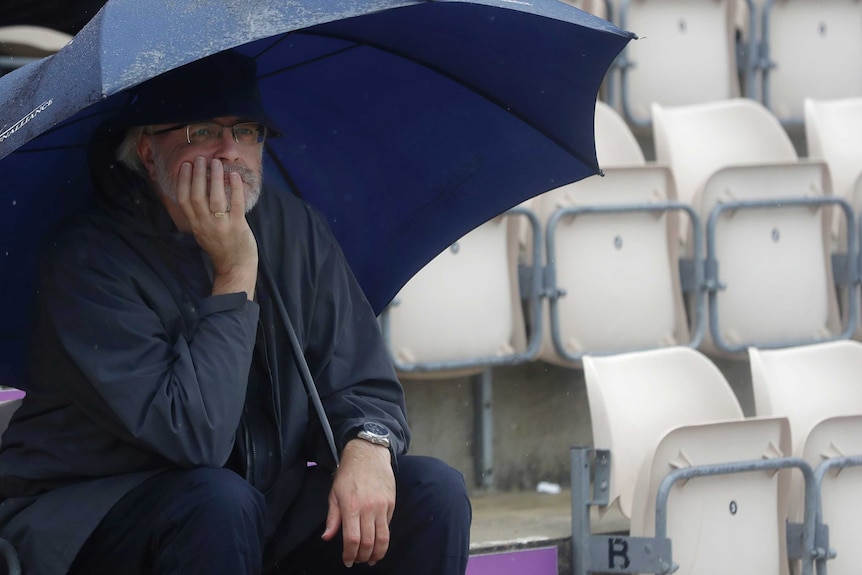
column 375, row 433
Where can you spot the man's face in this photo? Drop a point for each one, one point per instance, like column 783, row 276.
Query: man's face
column 163, row 154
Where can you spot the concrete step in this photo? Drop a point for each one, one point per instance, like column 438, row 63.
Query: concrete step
column 527, row 533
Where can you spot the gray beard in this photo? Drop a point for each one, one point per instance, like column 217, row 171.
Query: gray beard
column 168, row 185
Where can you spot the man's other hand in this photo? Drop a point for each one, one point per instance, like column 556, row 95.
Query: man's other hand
column 361, row 502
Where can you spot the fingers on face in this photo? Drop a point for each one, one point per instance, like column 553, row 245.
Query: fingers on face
column 237, row 196
column 217, row 202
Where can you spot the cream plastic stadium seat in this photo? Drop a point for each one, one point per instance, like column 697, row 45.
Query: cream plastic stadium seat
column 808, row 384
column 19, row 45
column 636, row 398
column 774, row 283
column 596, row 7
column 818, row 389
column 462, row 311
column 696, row 141
column 686, row 54
column 815, row 47
column 667, row 409
column 833, row 132
column 619, row 271
column 841, row 497
column 616, row 146
column 708, row 516
column 31, row 41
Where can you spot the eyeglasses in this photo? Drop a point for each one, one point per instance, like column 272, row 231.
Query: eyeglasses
column 247, row 133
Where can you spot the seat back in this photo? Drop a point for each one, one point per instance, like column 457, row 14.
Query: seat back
column 840, row 496
column 807, row 384
column 818, row 388
column 698, row 140
column 616, row 145
column 686, row 54
column 736, row 150
column 618, row 271
column 833, row 134
column 463, row 306
column 636, row 398
column 31, row 41
column 708, row 516
column 815, row 47
column 774, row 264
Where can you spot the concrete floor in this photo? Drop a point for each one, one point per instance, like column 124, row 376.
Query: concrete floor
column 539, row 412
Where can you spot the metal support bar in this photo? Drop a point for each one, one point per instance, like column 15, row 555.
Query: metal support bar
column 483, row 429
column 607, row 553
column 581, row 510
column 618, row 554
column 765, row 63
column 747, row 53
column 824, row 551
column 842, row 272
column 795, row 541
column 625, row 63
column 610, row 83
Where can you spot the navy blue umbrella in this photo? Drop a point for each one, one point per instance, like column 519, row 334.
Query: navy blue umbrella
column 407, row 123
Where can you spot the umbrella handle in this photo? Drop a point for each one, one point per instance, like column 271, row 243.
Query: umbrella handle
column 299, row 359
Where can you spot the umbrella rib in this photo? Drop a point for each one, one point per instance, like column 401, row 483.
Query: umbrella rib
column 482, row 93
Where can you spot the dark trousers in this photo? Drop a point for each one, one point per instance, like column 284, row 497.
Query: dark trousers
column 212, row 521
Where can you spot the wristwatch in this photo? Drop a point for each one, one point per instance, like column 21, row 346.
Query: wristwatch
column 374, row 433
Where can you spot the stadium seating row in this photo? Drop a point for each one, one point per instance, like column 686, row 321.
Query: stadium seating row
column 778, row 52
column 728, row 241
column 685, row 465
column 20, row 45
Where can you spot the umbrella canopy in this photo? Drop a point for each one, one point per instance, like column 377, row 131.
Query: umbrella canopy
column 407, row 123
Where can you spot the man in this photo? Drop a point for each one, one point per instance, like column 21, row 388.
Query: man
column 166, row 428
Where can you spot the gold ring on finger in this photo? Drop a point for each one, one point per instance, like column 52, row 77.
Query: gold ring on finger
column 219, row 214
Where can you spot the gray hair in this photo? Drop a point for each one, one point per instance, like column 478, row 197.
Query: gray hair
column 127, row 151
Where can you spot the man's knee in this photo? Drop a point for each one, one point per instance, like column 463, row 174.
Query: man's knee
column 216, row 495
column 433, row 484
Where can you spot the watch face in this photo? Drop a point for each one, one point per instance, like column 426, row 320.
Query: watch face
column 376, row 429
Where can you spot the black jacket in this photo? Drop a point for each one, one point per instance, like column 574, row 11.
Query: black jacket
column 135, row 368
